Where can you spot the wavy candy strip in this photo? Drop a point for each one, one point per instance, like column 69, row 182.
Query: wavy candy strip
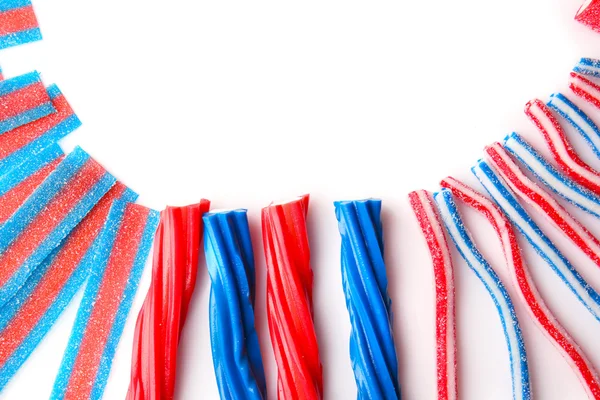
column 364, row 276
column 513, row 335
column 289, row 300
column 433, row 231
column 521, row 277
column 588, row 66
column 585, row 88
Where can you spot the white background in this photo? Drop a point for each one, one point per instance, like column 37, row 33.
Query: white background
column 248, row 102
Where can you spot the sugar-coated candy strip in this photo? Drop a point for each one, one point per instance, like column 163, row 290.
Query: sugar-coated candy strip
column 585, row 88
column 543, row 202
column 47, row 216
column 21, row 181
column 18, row 23
column 124, row 244
column 433, row 231
column 23, row 99
column 588, row 66
column 550, row 176
column 1, row 74
column 478, row 264
column 589, row 14
column 364, row 277
column 562, row 152
column 578, row 119
column 28, row 316
column 289, row 300
column 163, row 314
column 235, row 348
column 522, row 279
column 17, row 144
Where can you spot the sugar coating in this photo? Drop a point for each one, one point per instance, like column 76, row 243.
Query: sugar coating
column 585, row 88
column 23, row 99
column 423, row 207
column 588, row 66
column 117, row 266
column 18, row 23
column 364, row 276
column 521, row 278
column 589, row 14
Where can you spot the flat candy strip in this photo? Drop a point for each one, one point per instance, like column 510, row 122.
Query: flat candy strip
column 578, row 119
column 522, row 280
column 23, row 99
column 162, row 316
column 364, row 276
column 124, row 244
column 478, row 264
column 433, row 232
column 561, row 150
column 230, row 261
column 588, row 66
column 1, row 75
column 543, row 202
column 550, row 176
column 18, row 24
column 21, row 181
column 47, row 217
column 589, row 14
column 289, row 300
column 585, row 88
column 27, row 317
column 17, row 144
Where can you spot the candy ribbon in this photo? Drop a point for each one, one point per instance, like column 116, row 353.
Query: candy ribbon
column 18, row 24
column 585, row 88
column 588, row 66
column 589, row 14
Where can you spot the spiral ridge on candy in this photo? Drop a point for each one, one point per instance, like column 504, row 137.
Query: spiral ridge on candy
column 551, row 177
column 543, row 202
column 585, row 89
column 235, row 348
column 433, row 231
column 289, row 300
column 163, row 313
column 522, row 280
column 372, row 348
column 478, row 264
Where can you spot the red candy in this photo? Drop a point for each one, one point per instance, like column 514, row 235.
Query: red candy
column 589, row 14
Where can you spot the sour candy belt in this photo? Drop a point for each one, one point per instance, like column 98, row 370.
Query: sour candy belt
column 163, row 314
column 364, row 276
column 18, row 24
column 477, row 263
column 589, row 14
column 543, row 202
column 119, row 260
column 433, row 231
column 235, row 349
column 289, row 300
column 28, row 316
column 561, row 150
column 522, row 280
column 551, row 177
column 47, row 217
column 588, row 66
column 17, row 144
column 585, row 88
column 23, row 99
column 578, row 119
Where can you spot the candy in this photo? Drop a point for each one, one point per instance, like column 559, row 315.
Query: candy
column 561, row 150
column 588, row 66
column 23, row 99
column 589, row 14
column 19, row 143
column 230, row 260
column 289, row 300
column 372, row 348
column 124, row 244
column 585, row 88
column 520, row 275
column 550, row 176
column 18, row 24
column 578, row 119
column 1, row 75
column 162, row 316
column 20, row 182
column 478, row 264
column 433, row 231
column 47, row 216
column 28, row 316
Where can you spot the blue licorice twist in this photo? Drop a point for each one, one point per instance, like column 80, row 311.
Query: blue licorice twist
column 372, row 349
column 236, row 353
